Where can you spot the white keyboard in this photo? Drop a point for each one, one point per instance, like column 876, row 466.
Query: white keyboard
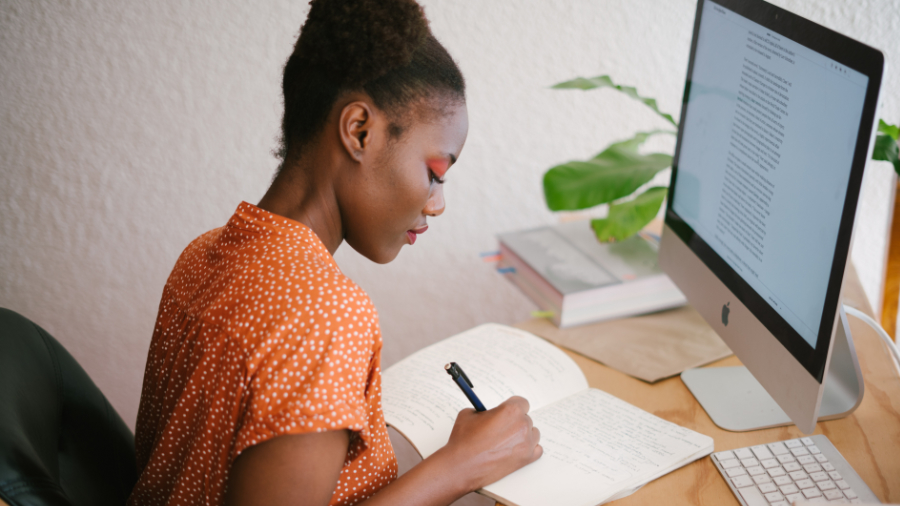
column 808, row 469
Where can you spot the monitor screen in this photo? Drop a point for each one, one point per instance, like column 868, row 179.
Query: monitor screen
column 769, row 134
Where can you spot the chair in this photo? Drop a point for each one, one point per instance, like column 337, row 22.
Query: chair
column 61, row 443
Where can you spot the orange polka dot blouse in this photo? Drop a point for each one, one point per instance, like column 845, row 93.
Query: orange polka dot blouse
column 259, row 334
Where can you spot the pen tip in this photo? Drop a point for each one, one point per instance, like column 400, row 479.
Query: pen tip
column 448, row 366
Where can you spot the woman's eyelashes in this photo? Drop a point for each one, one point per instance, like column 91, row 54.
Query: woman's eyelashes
column 433, row 178
column 438, row 167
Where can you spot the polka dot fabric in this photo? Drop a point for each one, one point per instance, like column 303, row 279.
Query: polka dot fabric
column 259, row 334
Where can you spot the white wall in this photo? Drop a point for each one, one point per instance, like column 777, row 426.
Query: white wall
column 129, row 128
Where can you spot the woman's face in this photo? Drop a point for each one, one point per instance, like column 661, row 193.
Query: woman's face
column 390, row 207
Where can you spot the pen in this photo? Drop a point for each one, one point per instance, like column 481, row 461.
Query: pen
column 465, row 384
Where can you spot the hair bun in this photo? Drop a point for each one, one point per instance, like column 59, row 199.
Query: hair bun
column 357, row 41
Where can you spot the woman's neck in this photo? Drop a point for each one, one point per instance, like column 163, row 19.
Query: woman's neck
column 304, row 192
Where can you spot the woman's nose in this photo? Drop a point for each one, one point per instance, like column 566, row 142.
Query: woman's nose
column 435, row 205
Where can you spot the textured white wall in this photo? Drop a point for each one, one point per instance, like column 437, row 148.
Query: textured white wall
column 129, row 128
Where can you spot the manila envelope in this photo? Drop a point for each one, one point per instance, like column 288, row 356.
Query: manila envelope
column 649, row 347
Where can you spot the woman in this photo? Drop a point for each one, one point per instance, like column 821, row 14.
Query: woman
column 263, row 378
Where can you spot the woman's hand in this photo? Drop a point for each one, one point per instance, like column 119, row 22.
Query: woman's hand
column 483, row 448
column 489, row 445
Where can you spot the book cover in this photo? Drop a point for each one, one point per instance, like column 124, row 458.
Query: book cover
column 565, row 270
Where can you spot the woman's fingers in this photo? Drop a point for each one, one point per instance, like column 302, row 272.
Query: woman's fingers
column 516, row 402
column 538, row 451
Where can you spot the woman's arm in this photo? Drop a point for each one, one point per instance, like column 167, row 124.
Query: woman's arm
column 304, row 469
column 300, row 470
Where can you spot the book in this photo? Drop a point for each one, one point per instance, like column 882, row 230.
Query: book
column 597, row 448
column 565, row 270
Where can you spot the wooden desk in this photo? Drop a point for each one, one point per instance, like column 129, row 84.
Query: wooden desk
column 869, row 439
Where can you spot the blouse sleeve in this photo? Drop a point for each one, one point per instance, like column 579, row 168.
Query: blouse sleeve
column 312, row 370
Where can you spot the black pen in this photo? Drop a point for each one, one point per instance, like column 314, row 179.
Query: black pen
column 465, row 384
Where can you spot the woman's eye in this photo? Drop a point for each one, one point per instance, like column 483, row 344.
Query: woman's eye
column 434, row 178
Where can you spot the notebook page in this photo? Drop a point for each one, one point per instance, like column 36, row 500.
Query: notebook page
column 421, row 401
column 595, row 446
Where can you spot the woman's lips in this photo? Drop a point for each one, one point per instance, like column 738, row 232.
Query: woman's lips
column 411, row 234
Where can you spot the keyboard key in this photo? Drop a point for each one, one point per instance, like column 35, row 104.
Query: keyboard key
column 743, row 453
column 799, row 451
column 774, row 496
column 762, row 478
column 807, row 441
column 735, row 471
column 784, row 459
column 850, row 494
column 806, row 459
column 835, row 475
column 726, row 455
column 811, row 492
column 776, row 471
column 728, row 464
column 755, row 470
column 814, row 449
column 780, row 503
column 820, row 476
column 831, row 495
column 749, row 462
column 770, row 463
column 812, row 468
column 792, row 466
column 820, row 458
column 795, row 497
column 762, row 452
column 783, row 480
column 798, row 475
column 778, row 448
column 765, row 488
column 801, row 484
column 789, row 489
column 742, row 481
column 825, row 485
column 793, row 443
column 827, row 466
column 753, row 497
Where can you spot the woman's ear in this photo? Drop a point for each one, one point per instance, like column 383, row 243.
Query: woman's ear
column 356, row 123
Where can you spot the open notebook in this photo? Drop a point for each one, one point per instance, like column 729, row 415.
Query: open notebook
column 596, row 447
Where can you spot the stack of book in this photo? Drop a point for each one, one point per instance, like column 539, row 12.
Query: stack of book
column 568, row 273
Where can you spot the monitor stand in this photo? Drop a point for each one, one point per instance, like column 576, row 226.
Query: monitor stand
column 737, row 402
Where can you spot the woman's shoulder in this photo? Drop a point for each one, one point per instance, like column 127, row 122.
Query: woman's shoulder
column 290, row 285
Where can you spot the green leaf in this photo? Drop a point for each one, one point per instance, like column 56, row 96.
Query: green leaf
column 892, row 130
column 590, row 83
column 628, row 218
column 886, row 149
column 614, row 173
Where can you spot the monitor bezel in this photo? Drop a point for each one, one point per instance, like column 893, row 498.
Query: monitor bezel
column 851, row 54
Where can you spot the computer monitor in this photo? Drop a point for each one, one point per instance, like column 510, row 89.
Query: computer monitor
column 776, row 127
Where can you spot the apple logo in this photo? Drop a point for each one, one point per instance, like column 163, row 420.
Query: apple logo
column 725, row 310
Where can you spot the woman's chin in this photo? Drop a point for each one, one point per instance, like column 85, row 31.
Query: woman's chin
column 381, row 255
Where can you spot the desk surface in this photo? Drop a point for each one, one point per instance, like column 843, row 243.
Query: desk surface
column 869, row 438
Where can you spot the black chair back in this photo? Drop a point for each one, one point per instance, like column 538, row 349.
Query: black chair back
column 61, row 443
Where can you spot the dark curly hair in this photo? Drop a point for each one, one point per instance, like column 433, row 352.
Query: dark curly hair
column 382, row 47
